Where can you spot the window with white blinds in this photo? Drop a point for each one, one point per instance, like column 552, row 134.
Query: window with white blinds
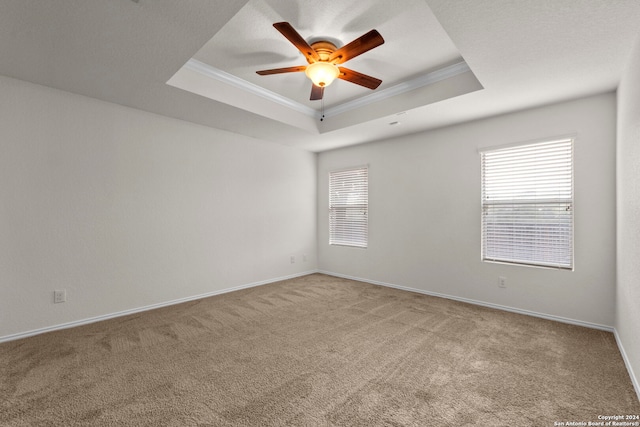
column 348, row 207
column 527, row 204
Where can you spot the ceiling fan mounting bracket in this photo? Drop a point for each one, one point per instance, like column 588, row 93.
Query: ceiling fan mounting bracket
column 324, row 49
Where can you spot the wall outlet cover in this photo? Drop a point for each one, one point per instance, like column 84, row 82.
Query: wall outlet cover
column 59, row 296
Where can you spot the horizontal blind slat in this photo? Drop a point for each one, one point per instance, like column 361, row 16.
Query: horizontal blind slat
column 527, row 204
column 348, row 207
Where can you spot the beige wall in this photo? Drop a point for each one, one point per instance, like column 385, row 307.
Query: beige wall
column 126, row 209
column 424, row 221
column 628, row 187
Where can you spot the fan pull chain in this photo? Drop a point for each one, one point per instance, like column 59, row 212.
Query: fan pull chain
column 322, row 109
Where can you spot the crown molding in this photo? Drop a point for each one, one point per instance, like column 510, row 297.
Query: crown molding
column 409, row 85
column 230, row 79
column 377, row 96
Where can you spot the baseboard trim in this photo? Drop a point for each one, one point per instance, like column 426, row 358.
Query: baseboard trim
column 627, row 363
column 634, row 379
column 89, row 320
column 625, row 358
column 476, row 302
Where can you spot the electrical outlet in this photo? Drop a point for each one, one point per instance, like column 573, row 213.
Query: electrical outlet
column 293, row 260
column 59, row 296
column 502, row 282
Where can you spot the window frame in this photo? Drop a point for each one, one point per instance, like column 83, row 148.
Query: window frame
column 559, row 251
column 354, row 231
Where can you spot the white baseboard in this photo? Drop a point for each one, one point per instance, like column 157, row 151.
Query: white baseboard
column 476, row 302
column 634, row 379
column 86, row 321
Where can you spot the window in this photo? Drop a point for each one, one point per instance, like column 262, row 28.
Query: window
column 527, row 204
column 348, row 207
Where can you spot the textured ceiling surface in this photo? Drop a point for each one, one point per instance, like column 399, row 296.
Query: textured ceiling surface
column 423, row 73
column 523, row 53
column 415, row 43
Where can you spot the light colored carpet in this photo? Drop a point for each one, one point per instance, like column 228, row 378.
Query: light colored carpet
column 315, row 351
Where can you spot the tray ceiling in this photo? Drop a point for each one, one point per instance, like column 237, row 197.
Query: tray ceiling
column 444, row 62
column 417, row 53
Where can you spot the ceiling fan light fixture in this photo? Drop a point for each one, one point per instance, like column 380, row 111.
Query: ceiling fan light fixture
column 321, row 73
column 324, row 57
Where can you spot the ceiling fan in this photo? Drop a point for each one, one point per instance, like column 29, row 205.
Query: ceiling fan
column 324, row 57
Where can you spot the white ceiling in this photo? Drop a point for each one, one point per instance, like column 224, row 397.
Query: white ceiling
column 249, row 42
column 418, row 62
column 509, row 54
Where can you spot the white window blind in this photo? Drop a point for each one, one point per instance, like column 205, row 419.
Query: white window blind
column 527, row 204
column 348, row 207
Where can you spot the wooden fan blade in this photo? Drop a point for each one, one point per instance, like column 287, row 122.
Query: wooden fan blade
column 357, row 47
column 282, row 70
column 296, row 39
column 358, row 78
column 316, row 92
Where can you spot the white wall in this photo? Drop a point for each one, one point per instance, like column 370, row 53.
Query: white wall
column 125, row 209
column 424, row 221
column 628, row 187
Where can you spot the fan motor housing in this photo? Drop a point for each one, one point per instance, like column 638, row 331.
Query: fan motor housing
column 324, row 49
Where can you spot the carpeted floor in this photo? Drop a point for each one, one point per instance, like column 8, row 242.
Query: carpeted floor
column 315, row 351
